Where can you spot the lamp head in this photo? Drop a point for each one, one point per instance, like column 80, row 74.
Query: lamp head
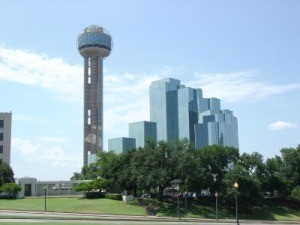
column 236, row 185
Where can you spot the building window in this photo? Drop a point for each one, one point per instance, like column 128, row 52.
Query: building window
column 1, row 148
column 1, row 123
column 1, row 136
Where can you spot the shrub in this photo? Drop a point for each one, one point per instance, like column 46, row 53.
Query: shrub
column 114, row 196
column 296, row 193
column 95, row 195
column 92, row 185
column 11, row 188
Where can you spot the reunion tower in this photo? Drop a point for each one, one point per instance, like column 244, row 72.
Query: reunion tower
column 94, row 44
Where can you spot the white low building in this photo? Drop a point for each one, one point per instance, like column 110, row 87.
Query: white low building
column 32, row 187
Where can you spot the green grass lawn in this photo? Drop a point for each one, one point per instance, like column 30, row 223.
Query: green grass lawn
column 105, row 206
column 269, row 211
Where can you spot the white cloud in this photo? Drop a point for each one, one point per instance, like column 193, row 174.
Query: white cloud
column 280, row 125
column 25, row 147
column 34, row 69
column 52, row 140
column 37, row 158
column 237, row 86
column 44, row 149
column 25, row 118
column 66, row 80
column 126, row 100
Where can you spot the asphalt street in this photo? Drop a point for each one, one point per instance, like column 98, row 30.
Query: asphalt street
column 8, row 216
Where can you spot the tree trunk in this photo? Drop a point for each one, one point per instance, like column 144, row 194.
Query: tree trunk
column 161, row 189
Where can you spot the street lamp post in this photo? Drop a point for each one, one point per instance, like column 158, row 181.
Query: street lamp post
column 185, row 205
column 178, row 212
column 45, row 189
column 236, row 186
column 216, row 195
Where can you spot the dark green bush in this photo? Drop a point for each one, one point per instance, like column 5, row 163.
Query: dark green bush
column 94, row 195
column 114, row 196
column 296, row 193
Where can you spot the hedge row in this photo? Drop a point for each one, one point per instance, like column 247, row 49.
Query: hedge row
column 114, row 196
column 94, row 195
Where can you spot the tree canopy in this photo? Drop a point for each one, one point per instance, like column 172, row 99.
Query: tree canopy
column 11, row 188
column 6, row 174
column 215, row 168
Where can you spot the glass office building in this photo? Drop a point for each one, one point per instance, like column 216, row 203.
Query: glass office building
column 142, row 132
column 188, row 100
column 182, row 112
column 164, row 109
column 219, row 128
column 178, row 112
column 121, row 144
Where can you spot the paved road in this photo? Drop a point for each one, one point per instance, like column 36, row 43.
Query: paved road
column 121, row 222
column 55, row 217
column 115, row 222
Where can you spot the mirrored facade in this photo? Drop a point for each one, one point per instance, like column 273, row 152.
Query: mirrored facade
column 121, row 144
column 178, row 112
column 142, row 132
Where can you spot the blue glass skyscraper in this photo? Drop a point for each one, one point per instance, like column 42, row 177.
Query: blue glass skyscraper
column 182, row 112
column 164, row 109
column 142, row 132
column 188, row 110
column 216, row 127
column 178, row 112
column 121, row 144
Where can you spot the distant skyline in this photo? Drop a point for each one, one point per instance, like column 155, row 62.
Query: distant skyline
column 245, row 53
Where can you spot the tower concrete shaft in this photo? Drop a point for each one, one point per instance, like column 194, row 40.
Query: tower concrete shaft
column 93, row 106
column 94, row 45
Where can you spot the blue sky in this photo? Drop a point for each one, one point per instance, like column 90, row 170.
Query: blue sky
column 246, row 53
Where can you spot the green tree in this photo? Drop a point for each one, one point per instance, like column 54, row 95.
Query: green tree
column 6, row 173
column 253, row 163
column 249, row 187
column 139, row 170
column 77, row 176
column 93, row 185
column 153, row 166
column 291, row 166
column 296, row 193
column 126, row 177
column 109, row 168
column 189, row 168
column 146, row 169
column 11, row 188
column 84, row 186
column 282, row 174
column 216, row 160
column 89, row 172
column 274, row 180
